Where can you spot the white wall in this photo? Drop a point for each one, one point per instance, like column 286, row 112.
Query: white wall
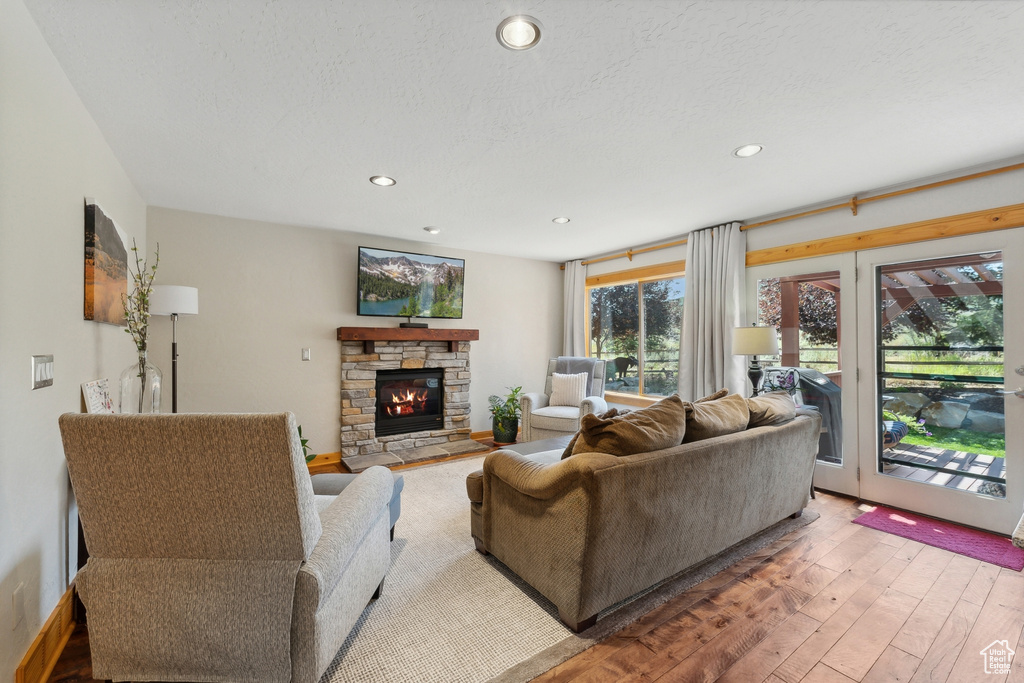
column 268, row 290
column 53, row 156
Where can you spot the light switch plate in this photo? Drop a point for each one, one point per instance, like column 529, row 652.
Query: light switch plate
column 305, row 354
column 42, row 371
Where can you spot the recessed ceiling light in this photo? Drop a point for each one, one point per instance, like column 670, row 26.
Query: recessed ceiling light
column 519, row 32
column 560, row 220
column 382, row 180
column 432, row 230
column 746, row 151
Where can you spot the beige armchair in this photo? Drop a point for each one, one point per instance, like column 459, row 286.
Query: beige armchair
column 210, row 558
column 543, row 421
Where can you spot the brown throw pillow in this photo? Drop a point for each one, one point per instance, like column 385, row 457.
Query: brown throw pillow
column 705, row 419
column 721, row 393
column 771, row 409
column 611, row 412
column 657, row 426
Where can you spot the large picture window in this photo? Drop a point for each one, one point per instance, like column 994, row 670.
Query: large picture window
column 635, row 327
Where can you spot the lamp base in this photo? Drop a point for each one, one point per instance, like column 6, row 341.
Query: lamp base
column 755, row 373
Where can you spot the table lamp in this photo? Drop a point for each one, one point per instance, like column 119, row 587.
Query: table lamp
column 754, row 342
column 174, row 300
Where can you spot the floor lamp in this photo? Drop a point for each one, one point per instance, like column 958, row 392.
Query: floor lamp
column 174, row 300
column 754, row 342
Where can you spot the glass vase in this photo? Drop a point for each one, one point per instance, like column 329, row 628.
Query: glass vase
column 140, row 387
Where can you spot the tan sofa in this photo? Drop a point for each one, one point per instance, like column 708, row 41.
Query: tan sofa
column 594, row 529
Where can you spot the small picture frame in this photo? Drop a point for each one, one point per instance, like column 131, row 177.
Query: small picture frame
column 97, row 396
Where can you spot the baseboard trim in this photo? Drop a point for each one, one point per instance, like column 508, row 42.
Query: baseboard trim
column 45, row 650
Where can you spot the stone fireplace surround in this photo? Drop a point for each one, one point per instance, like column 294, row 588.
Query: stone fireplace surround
column 364, row 351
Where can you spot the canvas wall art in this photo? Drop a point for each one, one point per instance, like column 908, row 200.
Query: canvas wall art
column 106, row 267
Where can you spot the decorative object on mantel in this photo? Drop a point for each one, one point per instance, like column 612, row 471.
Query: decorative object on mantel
column 505, row 417
column 106, row 267
column 174, row 300
column 140, row 381
column 755, row 341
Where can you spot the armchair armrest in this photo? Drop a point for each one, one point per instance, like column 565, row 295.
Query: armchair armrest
column 593, row 405
column 531, row 401
column 346, row 523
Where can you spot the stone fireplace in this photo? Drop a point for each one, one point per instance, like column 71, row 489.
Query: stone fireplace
column 404, row 395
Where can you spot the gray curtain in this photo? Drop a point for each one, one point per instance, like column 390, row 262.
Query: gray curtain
column 574, row 339
column 713, row 305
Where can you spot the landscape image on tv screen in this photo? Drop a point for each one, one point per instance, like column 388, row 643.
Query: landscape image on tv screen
column 406, row 285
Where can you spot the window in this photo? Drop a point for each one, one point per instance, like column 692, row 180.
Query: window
column 635, row 326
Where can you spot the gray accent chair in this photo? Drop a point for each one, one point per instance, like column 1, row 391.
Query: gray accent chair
column 210, row 558
column 543, row 421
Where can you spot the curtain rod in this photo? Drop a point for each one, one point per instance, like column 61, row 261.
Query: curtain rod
column 853, row 204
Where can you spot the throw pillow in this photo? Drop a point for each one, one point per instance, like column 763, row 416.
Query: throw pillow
column 721, row 393
column 771, row 409
column 610, row 413
column 705, row 419
column 568, row 390
column 653, row 428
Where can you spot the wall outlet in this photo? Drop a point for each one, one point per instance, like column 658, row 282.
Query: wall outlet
column 305, row 354
column 19, row 606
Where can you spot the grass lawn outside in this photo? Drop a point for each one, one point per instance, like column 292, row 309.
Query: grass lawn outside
column 983, row 443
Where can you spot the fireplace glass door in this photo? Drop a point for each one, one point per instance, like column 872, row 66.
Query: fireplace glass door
column 409, row 401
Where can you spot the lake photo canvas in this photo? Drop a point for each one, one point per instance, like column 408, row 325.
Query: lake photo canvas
column 408, row 285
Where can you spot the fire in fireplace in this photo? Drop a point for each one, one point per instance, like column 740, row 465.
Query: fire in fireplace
column 409, row 401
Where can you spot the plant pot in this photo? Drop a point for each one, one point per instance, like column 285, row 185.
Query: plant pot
column 505, row 432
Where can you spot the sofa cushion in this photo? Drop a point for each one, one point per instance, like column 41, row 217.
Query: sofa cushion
column 653, row 428
column 726, row 415
column 556, row 418
column 568, row 390
column 771, row 409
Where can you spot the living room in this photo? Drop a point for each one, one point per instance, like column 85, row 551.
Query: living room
column 275, row 282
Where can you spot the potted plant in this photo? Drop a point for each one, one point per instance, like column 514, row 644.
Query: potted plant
column 505, row 417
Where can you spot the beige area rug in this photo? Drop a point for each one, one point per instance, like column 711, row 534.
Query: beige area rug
column 449, row 614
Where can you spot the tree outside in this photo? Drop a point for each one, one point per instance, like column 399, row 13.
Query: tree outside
column 615, row 324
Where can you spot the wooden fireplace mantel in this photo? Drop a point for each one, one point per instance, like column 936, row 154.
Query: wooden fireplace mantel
column 370, row 335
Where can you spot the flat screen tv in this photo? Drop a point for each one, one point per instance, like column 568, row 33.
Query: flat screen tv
column 406, row 285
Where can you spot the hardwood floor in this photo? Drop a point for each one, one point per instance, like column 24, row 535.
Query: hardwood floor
column 831, row 602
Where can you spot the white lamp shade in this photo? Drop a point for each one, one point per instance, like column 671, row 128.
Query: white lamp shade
column 173, row 300
column 755, row 341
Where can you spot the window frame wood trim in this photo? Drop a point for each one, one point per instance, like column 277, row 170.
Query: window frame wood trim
column 661, row 271
column 1002, row 218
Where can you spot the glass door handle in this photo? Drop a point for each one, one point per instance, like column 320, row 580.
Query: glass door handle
column 1019, row 392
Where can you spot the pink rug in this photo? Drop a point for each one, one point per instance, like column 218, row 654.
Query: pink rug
column 980, row 545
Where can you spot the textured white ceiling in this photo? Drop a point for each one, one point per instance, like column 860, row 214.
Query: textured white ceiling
column 623, row 118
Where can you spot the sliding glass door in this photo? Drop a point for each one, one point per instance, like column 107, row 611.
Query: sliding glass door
column 941, row 431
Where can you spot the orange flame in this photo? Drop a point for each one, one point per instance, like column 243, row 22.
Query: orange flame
column 408, row 403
